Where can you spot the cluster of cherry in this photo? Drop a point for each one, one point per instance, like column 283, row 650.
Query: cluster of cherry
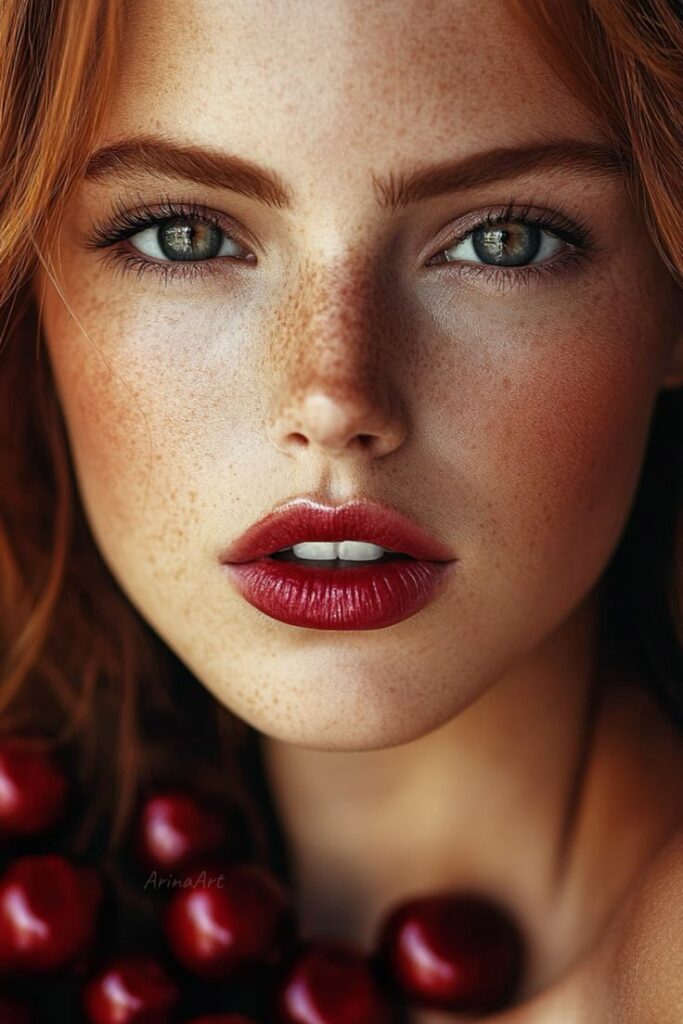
column 223, row 919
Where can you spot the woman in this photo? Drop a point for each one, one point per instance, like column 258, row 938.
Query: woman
column 421, row 265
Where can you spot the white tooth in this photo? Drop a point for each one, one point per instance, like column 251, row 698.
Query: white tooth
column 358, row 551
column 348, row 550
column 316, row 549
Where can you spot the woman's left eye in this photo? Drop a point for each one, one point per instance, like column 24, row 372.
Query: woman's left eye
column 511, row 244
column 182, row 239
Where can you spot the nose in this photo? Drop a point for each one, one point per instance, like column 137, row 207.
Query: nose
column 336, row 424
column 333, row 390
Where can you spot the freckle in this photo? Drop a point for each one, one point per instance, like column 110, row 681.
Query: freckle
column 335, row 314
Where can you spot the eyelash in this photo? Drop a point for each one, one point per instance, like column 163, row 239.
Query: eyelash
column 124, row 223
column 575, row 232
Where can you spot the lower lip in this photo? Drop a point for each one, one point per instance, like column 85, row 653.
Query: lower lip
column 363, row 597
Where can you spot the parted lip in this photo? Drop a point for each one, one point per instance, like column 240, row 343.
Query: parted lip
column 303, row 520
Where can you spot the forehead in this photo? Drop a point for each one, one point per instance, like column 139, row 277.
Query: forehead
column 309, row 87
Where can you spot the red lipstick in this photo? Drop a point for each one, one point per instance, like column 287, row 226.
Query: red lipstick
column 338, row 595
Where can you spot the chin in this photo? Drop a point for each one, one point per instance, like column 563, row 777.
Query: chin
column 350, row 714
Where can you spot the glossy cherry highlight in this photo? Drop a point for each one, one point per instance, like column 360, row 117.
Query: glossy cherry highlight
column 331, row 983
column 236, row 918
column 458, row 953
column 174, row 829
column 133, row 989
column 33, row 788
column 48, row 912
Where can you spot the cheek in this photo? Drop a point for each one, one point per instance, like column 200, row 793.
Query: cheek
column 108, row 420
column 547, row 442
column 131, row 415
column 568, row 446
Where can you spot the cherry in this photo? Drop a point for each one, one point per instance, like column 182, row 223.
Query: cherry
column 132, row 989
column 457, row 953
column 174, row 829
column 330, row 982
column 242, row 917
column 48, row 911
column 32, row 789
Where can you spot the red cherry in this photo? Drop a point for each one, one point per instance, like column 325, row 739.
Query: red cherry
column 48, row 912
column 229, row 920
column 32, row 789
column 175, row 829
column 12, row 1012
column 457, row 953
column 132, row 989
column 329, row 982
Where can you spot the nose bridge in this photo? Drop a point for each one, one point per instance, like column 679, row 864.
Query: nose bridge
column 327, row 353
column 326, row 328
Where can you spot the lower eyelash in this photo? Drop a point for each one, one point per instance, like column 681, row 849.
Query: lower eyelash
column 506, row 280
column 127, row 262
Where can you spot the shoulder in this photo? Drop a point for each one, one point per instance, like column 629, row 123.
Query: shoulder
column 634, row 974
column 644, row 946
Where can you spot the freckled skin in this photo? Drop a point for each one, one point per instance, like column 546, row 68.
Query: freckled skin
column 510, row 419
column 327, row 343
column 510, row 422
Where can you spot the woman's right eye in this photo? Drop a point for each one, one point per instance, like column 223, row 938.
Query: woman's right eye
column 182, row 239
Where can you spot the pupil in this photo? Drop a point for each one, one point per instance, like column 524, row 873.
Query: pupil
column 189, row 239
column 511, row 245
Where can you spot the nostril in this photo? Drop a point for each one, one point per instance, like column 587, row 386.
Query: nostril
column 366, row 442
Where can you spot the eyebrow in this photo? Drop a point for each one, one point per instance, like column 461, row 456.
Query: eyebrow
column 213, row 168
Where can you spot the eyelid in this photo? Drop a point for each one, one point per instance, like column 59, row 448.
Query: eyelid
column 503, row 279
column 574, row 230
column 128, row 219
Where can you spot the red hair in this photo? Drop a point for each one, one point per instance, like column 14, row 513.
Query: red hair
column 77, row 662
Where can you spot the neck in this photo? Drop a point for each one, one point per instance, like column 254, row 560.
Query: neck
column 484, row 802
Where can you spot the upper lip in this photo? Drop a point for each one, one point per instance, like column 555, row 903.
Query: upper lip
column 304, row 520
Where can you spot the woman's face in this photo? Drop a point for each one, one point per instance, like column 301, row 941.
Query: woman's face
column 506, row 377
